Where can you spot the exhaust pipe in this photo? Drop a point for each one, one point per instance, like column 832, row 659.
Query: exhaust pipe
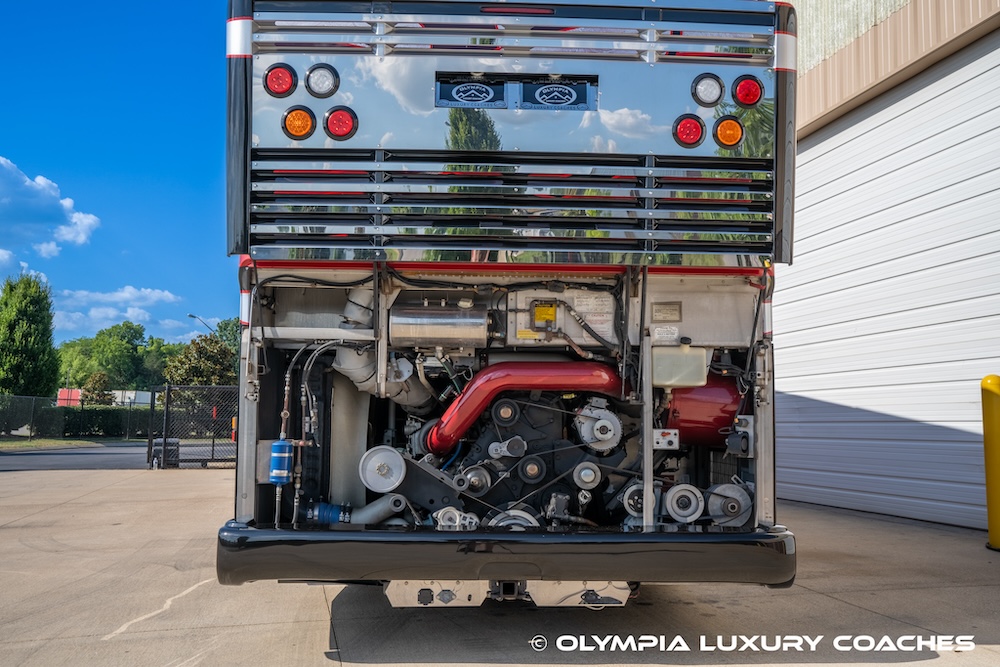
column 585, row 376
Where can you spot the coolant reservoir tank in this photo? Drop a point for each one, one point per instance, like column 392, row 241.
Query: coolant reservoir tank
column 700, row 413
column 680, row 366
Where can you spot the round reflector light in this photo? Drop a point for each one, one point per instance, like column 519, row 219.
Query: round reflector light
column 341, row 123
column 728, row 132
column 322, row 80
column 747, row 91
column 279, row 80
column 689, row 131
column 298, row 123
column 707, row 90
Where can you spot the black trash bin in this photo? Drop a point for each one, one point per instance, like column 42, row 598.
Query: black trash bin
column 170, row 459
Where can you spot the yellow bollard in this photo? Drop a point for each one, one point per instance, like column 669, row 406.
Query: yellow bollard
column 991, row 448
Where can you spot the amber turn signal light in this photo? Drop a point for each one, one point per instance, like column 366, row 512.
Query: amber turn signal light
column 728, row 132
column 298, row 123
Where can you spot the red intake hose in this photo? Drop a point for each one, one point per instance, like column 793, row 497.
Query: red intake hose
column 588, row 376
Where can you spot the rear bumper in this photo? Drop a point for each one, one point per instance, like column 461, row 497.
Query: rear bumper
column 249, row 554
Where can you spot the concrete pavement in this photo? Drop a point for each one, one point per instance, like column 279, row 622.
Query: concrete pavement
column 116, row 567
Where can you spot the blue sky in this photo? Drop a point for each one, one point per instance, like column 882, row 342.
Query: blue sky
column 112, row 162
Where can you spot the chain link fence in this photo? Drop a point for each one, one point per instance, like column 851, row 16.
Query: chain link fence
column 32, row 417
column 192, row 426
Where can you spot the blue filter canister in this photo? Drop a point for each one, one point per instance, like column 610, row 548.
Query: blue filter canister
column 281, row 462
column 326, row 513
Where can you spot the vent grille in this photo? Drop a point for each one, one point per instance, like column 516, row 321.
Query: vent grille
column 561, row 31
column 620, row 203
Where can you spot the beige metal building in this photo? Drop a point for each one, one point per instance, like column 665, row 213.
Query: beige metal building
column 890, row 315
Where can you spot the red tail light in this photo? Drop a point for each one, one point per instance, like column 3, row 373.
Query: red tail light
column 747, row 91
column 689, row 131
column 341, row 123
column 279, row 80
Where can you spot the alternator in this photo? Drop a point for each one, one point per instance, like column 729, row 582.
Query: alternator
column 599, row 428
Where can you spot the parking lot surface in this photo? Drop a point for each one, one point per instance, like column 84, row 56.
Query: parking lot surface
column 117, row 567
column 109, row 456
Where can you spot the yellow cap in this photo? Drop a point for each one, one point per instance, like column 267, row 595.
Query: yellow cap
column 729, row 132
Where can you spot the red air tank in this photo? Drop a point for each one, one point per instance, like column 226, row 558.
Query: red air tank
column 700, row 413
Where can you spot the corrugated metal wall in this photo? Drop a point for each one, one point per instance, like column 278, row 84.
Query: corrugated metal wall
column 890, row 316
column 826, row 26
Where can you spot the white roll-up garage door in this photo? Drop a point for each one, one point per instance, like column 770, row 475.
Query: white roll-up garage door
column 890, row 316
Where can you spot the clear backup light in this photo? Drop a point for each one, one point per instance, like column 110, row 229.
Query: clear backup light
column 747, row 91
column 322, row 80
column 689, row 131
column 707, row 90
column 279, row 80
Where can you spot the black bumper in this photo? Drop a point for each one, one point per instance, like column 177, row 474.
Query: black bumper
column 250, row 554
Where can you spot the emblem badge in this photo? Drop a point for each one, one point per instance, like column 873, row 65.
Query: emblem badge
column 555, row 95
column 472, row 93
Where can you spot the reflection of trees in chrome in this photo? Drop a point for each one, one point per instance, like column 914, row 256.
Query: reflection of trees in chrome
column 470, row 130
column 727, row 242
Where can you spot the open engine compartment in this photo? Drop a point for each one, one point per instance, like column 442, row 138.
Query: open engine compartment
column 508, row 402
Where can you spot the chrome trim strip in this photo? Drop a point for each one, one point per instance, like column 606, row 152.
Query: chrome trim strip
column 409, row 169
column 546, row 214
column 499, row 257
column 526, row 44
column 747, row 6
column 609, row 234
column 484, row 186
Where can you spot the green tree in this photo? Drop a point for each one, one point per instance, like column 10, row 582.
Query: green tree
column 116, row 352
column 207, row 360
column 76, row 361
column 97, row 390
column 471, row 130
column 29, row 364
column 230, row 333
column 155, row 355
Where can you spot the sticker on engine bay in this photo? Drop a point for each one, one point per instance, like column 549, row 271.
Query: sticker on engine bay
column 598, row 311
column 667, row 312
column 666, row 334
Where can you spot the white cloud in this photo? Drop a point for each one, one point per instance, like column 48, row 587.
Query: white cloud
column 630, row 123
column 86, row 312
column 34, row 210
column 404, row 78
column 185, row 337
column 137, row 315
column 68, row 321
column 126, row 296
column 47, row 250
column 96, row 318
column 5, row 256
column 103, row 313
column 80, row 227
column 31, row 272
column 599, row 144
